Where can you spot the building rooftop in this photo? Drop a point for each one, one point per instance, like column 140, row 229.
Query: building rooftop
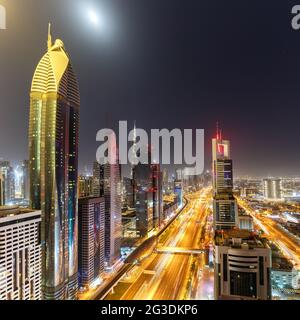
column 279, row 261
column 129, row 213
column 10, row 211
column 89, row 198
column 240, row 239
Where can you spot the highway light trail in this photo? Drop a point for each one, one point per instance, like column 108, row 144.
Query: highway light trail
column 165, row 276
column 285, row 242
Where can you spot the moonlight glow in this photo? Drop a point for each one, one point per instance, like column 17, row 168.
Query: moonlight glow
column 94, row 18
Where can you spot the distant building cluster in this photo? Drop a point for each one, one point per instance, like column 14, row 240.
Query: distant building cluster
column 14, row 183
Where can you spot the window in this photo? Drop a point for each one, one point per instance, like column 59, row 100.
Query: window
column 225, row 267
column 261, row 271
column 243, row 284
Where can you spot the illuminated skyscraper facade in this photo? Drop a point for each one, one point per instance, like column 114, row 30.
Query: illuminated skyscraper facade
column 53, row 167
column 9, row 181
column 98, row 180
column 25, row 179
column 20, row 252
column 85, row 186
column 143, row 199
column 113, row 213
column 272, row 189
column 91, row 231
column 128, row 186
column 148, row 197
column 2, row 190
column 157, row 193
column 178, row 191
column 225, row 206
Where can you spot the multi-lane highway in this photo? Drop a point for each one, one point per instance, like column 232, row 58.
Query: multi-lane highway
column 170, row 275
column 287, row 243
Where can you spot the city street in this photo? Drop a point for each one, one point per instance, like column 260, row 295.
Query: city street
column 171, row 275
column 287, row 243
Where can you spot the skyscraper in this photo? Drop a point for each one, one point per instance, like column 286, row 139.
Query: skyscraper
column 272, row 189
column 18, row 175
column 113, row 212
column 98, row 180
column 143, row 199
column 53, row 151
column 2, row 190
column 25, row 179
column 225, row 206
column 91, row 220
column 20, row 263
column 129, row 191
column 178, row 191
column 242, row 258
column 85, row 186
column 148, row 196
column 9, row 181
column 157, row 194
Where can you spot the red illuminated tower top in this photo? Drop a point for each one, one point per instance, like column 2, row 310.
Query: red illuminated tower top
column 220, row 147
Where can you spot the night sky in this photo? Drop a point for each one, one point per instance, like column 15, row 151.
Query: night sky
column 165, row 64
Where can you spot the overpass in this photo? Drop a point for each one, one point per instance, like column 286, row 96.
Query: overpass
column 181, row 250
column 134, row 257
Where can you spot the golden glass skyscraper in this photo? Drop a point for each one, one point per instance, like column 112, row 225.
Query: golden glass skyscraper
column 53, row 151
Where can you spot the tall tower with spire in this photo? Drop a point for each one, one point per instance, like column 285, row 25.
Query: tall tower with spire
column 53, row 167
column 49, row 42
column 225, row 206
column 133, row 147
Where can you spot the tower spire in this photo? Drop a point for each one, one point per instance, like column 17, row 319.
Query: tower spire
column 134, row 128
column 133, row 149
column 134, row 139
column 49, row 42
column 219, row 131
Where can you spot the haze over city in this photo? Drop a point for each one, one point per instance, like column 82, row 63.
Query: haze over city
column 165, row 65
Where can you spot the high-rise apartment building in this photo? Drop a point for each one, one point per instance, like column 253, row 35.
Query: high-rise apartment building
column 91, row 232
column 242, row 266
column 20, row 254
column 53, row 166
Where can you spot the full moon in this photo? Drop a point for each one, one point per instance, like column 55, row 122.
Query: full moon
column 94, row 18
